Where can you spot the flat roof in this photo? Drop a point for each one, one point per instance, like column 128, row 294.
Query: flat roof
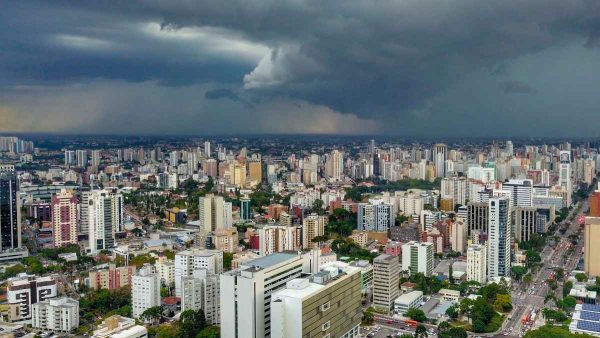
column 270, row 260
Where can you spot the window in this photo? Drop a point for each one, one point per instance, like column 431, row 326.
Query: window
column 325, row 306
column 326, row 326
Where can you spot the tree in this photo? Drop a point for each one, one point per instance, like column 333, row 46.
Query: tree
column 503, row 303
column 568, row 302
column 421, row 331
column 317, row 206
column 191, row 322
column 581, row 277
column 227, row 259
column 209, row 332
column 368, row 316
column 443, row 327
column 528, row 278
column 518, row 272
column 167, row 331
column 153, row 314
column 455, row 332
column 416, row 314
column 567, row 288
column 452, row 312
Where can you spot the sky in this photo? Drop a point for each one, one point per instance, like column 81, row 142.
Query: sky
column 432, row 68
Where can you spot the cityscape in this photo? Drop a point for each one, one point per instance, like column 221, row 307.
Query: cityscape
column 300, row 169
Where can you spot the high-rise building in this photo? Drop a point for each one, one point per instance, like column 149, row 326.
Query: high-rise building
column 105, row 218
column 214, row 213
column 591, row 246
column 57, row 314
column 246, row 293
column 186, row 262
column 564, row 179
column 207, row 149
column 526, row 223
column 313, row 225
column 278, row 238
column 386, row 279
column 477, row 217
column 201, row 291
column 521, row 192
column 82, row 158
column 210, row 167
column 418, row 258
column 70, row 158
column 174, row 158
column 375, row 216
column 440, row 155
column 10, row 212
column 476, row 263
column 96, row 157
column 245, row 209
column 326, row 304
column 145, row 290
column 64, row 218
column 84, row 216
column 499, row 237
column 334, row 165
column 255, row 171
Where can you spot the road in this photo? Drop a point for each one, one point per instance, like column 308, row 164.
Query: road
column 531, row 297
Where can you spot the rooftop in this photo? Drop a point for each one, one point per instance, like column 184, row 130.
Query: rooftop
column 270, row 260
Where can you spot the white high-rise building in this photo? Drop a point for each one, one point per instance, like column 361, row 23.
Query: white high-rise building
column 214, row 213
column 455, row 187
column 476, row 263
column 174, row 158
column 417, row 257
column 521, row 192
column 375, row 216
column 145, row 290
column 564, row 179
column 84, row 216
column 207, row 149
column 188, row 261
column 278, row 238
column 56, row 314
column 246, row 293
column 440, row 155
column 96, row 157
column 334, row 165
column 201, row 291
column 479, row 173
column 499, row 237
column 408, row 203
column 82, row 158
column 105, row 219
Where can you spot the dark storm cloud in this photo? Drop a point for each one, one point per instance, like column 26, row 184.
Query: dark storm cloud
column 516, row 87
column 386, row 60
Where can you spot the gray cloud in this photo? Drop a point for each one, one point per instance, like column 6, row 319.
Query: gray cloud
column 391, row 61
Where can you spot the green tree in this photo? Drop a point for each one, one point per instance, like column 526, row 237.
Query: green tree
column 227, row 259
column 416, row 314
column 153, row 314
column 569, row 302
column 452, row 312
column 581, row 277
column 518, row 272
column 317, row 206
column 567, row 288
column 209, row 332
column 190, row 323
column 503, row 303
column 421, row 331
column 528, row 278
column 368, row 316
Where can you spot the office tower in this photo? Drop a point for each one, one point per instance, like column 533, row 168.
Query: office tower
column 82, row 158
column 255, row 171
column 246, row 293
column 105, row 219
column 477, row 218
column 174, row 158
column 207, row 149
column 57, row 315
column 499, row 237
column 214, row 213
column 312, row 226
column 96, row 157
column 440, row 151
column 279, row 238
column 375, row 216
column 145, row 290
column 591, row 246
column 70, row 158
column 201, row 291
column 186, row 262
column 334, row 165
column 245, row 209
column 386, row 279
column 84, row 222
column 526, row 223
column 64, row 218
column 509, row 148
column 117, row 326
column 23, row 292
column 372, row 147
column 417, row 258
column 111, row 278
column 564, row 179
column 476, row 263
column 521, row 192
column 10, row 212
column 326, row 304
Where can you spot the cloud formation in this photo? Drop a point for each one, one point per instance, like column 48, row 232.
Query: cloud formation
column 393, row 63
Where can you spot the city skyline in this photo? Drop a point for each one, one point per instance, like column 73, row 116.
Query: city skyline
column 464, row 69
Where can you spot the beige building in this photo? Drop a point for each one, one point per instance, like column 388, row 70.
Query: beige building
column 111, row 278
column 359, row 237
column 122, row 327
column 166, row 270
column 327, row 304
column 591, row 246
column 226, row 240
column 386, row 279
column 255, row 171
column 312, row 226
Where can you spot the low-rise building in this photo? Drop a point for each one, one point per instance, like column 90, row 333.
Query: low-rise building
column 407, row 301
column 586, row 319
column 111, row 278
column 450, row 295
column 120, row 327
